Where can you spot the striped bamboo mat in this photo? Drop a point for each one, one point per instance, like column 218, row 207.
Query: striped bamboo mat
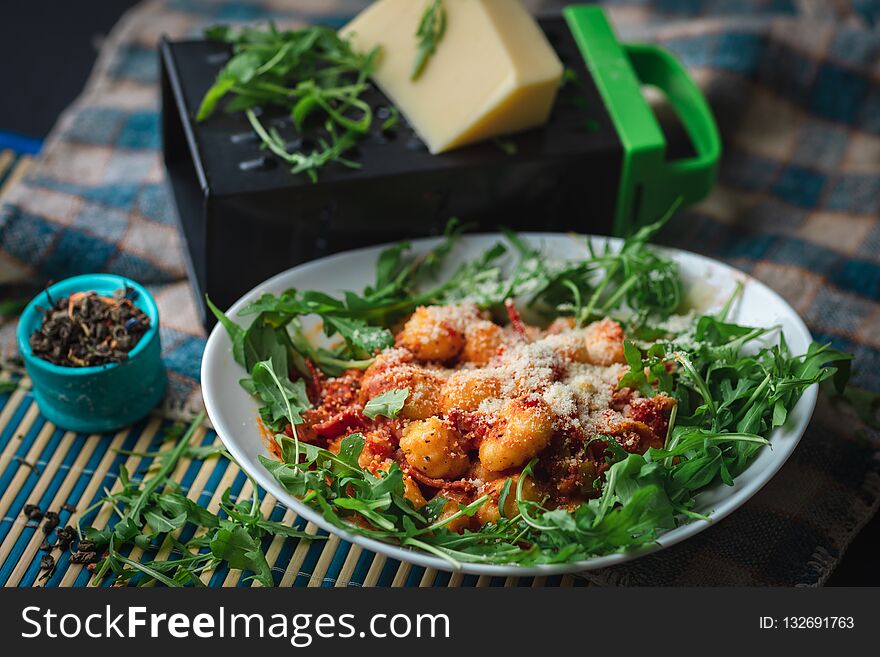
column 65, row 472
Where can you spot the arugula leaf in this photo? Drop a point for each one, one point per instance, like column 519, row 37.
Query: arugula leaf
column 141, row 500
column 648, row 283
column 260, row 341
column 309, row 163
column 179, row 504
column 350, row 450
column 161, row 523
column 432, row 27
column 236, row 333
column 390, row 264
column 234, row 545
column 715, row 331
column 503, row 495
column 280, row 529
column 364, row 340
column 388, row 404
column 283, row 400
column 635, row 377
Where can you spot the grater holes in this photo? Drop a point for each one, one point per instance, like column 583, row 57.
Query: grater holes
column 262, row 163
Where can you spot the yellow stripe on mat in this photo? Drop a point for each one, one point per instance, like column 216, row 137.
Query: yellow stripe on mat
column 23, row 166
column 299, row 555
column 428, row 578
column 7, row 157
column 14, row 400
column 354, row 555
column 23, row 429
column 89, row 494
column 375, row 571
column 401, row 575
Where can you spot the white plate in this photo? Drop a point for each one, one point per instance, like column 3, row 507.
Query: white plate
column 708, row 284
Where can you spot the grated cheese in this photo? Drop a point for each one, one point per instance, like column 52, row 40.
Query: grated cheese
column 578, row 394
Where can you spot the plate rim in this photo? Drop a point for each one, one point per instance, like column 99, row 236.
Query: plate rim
column 740, row 495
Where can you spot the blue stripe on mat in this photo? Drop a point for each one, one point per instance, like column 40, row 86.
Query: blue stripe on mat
column 20, row 143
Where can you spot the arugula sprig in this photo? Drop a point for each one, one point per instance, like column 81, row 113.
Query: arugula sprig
column 150, row 514
column 331, row 149
column 632, row 283
column 432, row 28
column 311, row 72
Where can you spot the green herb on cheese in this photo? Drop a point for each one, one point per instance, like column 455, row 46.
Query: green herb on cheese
column 432, row 27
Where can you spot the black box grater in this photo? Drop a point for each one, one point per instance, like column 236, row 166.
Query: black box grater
column 245, row 218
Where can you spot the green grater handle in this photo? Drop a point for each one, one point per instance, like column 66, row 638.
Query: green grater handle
column 649, row 183
column 692, row 177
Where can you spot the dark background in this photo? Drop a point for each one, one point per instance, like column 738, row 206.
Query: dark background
column 48, row 48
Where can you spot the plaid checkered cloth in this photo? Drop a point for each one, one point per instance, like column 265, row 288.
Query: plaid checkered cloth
column 795, row 86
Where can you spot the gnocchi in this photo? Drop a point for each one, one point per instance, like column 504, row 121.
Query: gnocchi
column 434, row 448
column 465, row 390
column 600, row 343
column 432, row 334
column 459, row 523
column 604, row 343
column 482, row 340
column 424, row 388
column 524, row 429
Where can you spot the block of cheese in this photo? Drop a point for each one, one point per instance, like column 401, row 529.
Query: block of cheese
column 493, row 72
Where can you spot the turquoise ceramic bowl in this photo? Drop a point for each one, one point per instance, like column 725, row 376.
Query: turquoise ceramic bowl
column 105, row 397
